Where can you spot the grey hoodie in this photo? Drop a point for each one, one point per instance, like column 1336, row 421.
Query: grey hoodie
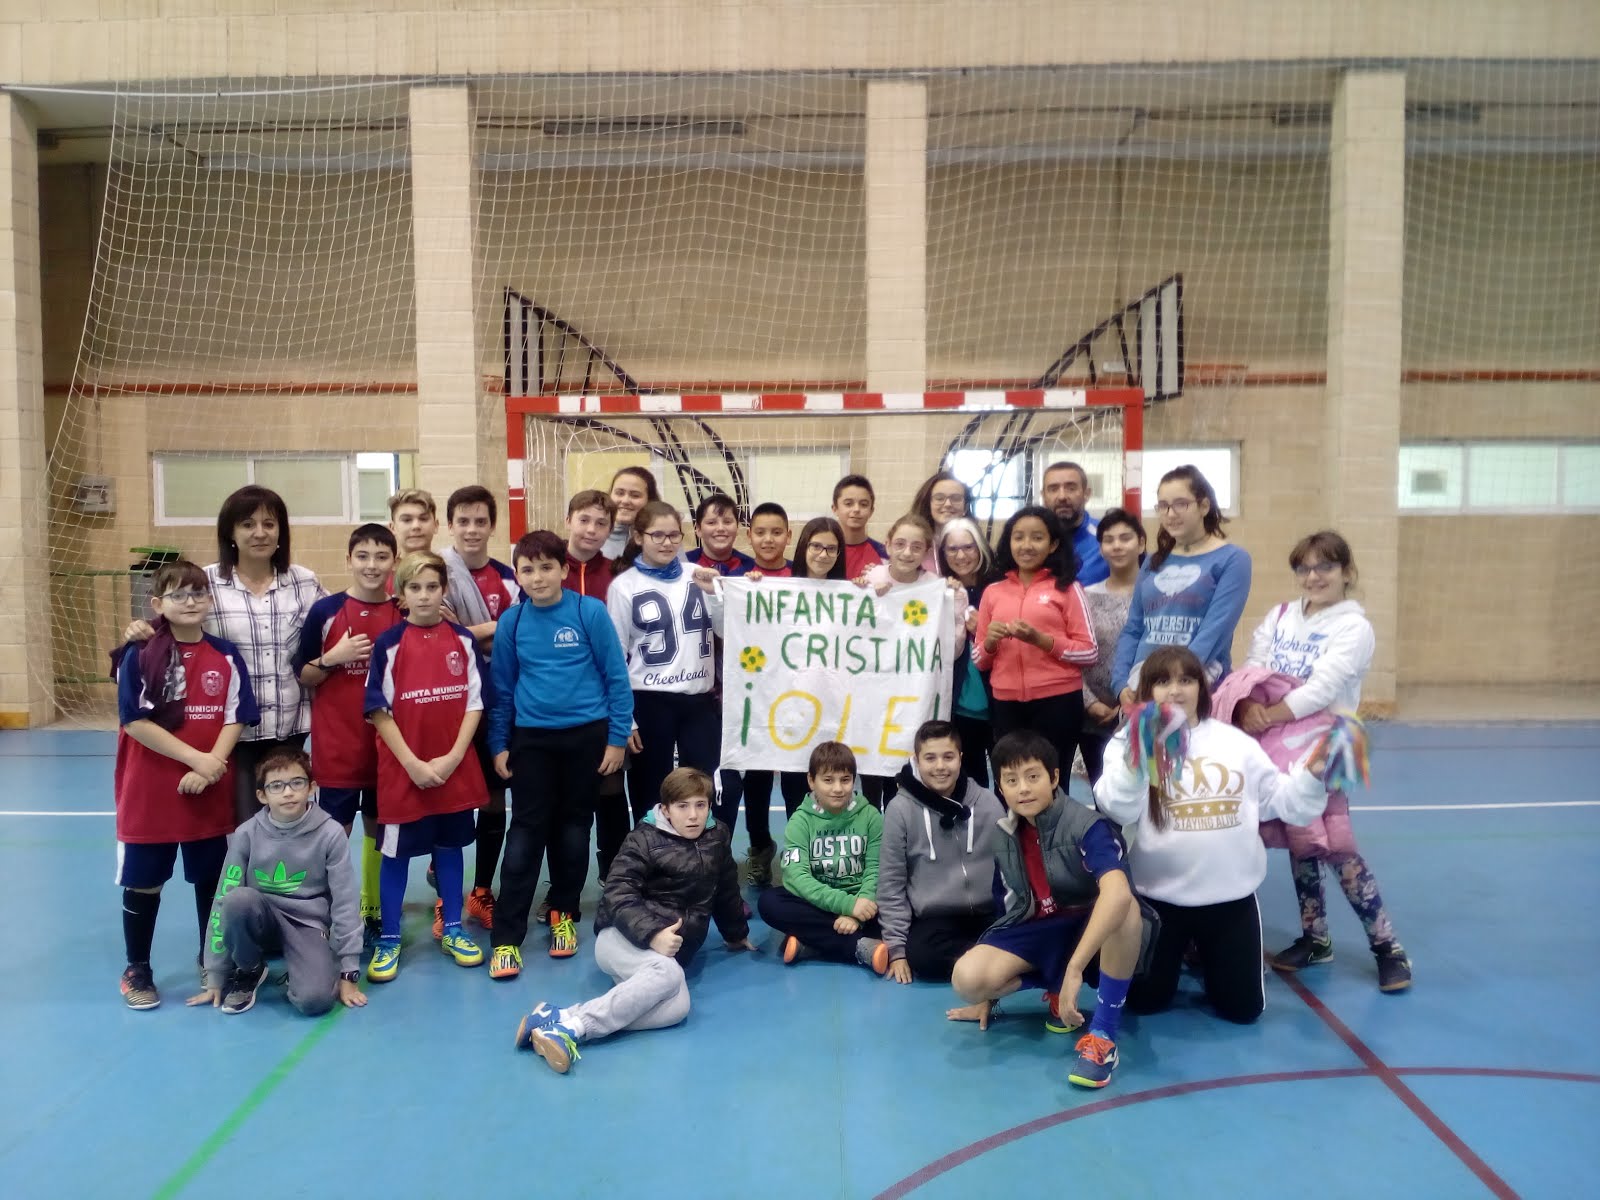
column 925, row 870
column 303, row 872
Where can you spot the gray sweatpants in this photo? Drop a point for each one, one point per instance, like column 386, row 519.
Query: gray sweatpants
column 650, row 992
column 253, row 931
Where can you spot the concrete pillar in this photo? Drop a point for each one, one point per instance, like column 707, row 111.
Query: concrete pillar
column 460, row 440
column 27, row 689
column 1366, row 214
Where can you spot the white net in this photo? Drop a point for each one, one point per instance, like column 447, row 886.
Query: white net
column 243, row 271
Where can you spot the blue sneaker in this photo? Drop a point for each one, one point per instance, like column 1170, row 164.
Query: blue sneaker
column 1097, row 1058
column 543, row 1031
column 385, row 963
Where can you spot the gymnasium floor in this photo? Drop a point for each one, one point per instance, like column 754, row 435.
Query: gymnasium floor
column 824, row 1081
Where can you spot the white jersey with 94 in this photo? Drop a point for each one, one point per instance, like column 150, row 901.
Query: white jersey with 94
column 667, row 628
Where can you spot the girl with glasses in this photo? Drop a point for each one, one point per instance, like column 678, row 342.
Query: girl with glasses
column 1325, row 640
column 666, row 614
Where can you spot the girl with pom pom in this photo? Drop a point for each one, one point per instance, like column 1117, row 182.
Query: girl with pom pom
column 1191, row 792
column 1325, row 641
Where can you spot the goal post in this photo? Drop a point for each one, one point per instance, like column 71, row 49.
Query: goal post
column 791, row 447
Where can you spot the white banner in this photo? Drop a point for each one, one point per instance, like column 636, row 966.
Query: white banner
column 805, row 662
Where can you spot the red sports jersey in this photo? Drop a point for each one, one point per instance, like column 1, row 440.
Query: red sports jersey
column 498, row 592
column 862, row 555
column 783, row 572
column 216, row 693
column 344, row 746
column 428, row 677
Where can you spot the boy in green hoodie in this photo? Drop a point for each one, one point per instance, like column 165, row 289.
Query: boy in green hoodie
column 828, row 904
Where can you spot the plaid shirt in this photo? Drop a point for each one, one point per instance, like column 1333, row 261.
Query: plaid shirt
column 266, row 630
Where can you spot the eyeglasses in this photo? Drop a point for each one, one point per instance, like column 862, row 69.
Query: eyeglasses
column 954, row 500
column 901, row 546
column 664, row 539
column 1320, row 568
column 279, row 787
column 969, row 548
column 186, row 595
column 822, row 549
column 1174, row 506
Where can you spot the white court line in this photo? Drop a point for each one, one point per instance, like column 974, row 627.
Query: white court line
column 778, row 808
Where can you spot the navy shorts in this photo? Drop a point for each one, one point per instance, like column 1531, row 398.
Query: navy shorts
column 149, row 864
column 1047, row 943
column 342, row 804
column 438, row 831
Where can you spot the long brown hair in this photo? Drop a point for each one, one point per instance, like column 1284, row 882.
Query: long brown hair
column 1200, row 488
column 1164, row 664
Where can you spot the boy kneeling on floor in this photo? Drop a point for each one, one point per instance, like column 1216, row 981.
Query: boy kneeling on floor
column 673, row 874
column 1067, row 909
column 287, row 889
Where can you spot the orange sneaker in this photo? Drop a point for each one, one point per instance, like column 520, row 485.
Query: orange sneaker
column 480, row 907
column 563, row 935
column 438, row 920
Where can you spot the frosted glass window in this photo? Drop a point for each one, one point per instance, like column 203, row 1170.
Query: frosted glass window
column 1430, row 477
column 1580, row 477
column 1511, row 475
column 801, row 481
column 193, row 489
column 1219, row 464
column 312, row 487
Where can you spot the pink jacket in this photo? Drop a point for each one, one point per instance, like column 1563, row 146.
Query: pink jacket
column 1330, row 835
column 1020, row 670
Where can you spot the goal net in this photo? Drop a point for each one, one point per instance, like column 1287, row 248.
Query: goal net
column 230, row 295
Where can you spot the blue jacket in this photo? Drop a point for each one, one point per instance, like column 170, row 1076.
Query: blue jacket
column 1086, row 545
column 557, row 668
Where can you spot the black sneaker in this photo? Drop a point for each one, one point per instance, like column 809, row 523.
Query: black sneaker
column 239, row 994
column 1394, row 968
column 1307, row 951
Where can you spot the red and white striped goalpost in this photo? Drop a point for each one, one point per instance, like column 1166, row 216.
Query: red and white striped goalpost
column 799, row 404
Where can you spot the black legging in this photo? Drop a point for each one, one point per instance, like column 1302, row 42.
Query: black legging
column 1227, row 937
column 1056, row 718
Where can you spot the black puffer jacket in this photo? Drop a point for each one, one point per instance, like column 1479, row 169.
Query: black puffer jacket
column 658, row 877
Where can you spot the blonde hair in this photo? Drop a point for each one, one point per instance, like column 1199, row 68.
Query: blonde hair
column 417, row 562
column 413, row 496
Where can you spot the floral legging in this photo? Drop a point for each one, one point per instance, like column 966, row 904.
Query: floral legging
column 1360, row 888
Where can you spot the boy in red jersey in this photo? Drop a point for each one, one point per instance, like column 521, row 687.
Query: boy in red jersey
column 425, row 699
column 853, row 504
column 590, row 515
column 183, row 698
column 335, row 644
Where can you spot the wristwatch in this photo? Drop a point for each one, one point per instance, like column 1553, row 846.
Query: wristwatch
column 350, row 976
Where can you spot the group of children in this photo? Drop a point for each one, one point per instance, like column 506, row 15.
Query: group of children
column 440, row 681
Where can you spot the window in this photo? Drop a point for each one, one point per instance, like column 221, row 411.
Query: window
column 800, row 480
column 320, row 489
column 999, row 485
column 1219, row 464
column 1499, row 477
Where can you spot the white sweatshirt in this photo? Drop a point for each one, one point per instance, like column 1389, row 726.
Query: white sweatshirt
column 1210, row 850
column 666, row 629
column 1331, row 650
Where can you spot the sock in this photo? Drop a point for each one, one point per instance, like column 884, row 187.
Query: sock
column 1107, row 1019
column 205, row 895
column 139, row 923
column 371, row 865
column 392, row 874
column 570, row 1018
column 449, row 864
column 491, row 837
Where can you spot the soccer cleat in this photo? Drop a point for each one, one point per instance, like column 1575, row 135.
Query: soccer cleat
column 438, row 919
column 460, row 947
column 480, row 907
column 139, row 987
column 758, row 866
column 563, row 934
column 1054, row 1022
column 543, row 1032
column 1394, row 968
column 243, row 983
column 385, row 962
column 1306, row 951
column 872, row 954
column 1097, row 1058
column 506, row 963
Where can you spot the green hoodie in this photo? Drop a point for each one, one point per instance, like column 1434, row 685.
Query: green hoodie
column 831, row 859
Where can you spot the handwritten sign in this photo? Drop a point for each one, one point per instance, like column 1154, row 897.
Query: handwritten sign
column 808, row 661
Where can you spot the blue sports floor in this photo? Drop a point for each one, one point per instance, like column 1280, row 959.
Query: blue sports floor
column 825, row 1081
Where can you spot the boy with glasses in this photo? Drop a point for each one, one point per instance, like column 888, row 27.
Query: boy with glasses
column 287, row 889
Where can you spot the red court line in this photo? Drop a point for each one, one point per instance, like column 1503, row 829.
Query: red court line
column 1391, row 1080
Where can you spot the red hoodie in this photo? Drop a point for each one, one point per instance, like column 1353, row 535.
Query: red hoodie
column 590, row 578
column 1020, row 670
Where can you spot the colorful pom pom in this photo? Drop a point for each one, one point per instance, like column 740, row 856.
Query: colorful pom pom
column 1158, row 742
column 1345, row 745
